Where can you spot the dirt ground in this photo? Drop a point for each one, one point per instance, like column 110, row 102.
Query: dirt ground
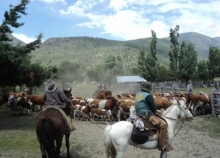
column 87, row 142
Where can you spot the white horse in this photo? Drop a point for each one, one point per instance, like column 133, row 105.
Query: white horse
column 117, row 136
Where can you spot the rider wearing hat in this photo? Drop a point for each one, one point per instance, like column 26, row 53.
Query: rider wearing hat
column 146, row 108
column 55, row 97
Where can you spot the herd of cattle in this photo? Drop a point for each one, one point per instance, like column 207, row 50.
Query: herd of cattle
column 105, row 105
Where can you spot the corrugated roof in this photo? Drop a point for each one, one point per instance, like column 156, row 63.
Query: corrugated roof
column 130, row 79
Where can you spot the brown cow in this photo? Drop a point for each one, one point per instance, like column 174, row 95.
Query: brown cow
column 193, row 102
column 129, row 96
column 124, row 108
column 81, row 101
column 107, row 104
column 103, row 94
column 106, row 114
column 162, row 102
column 36, row 100
column 82, row 111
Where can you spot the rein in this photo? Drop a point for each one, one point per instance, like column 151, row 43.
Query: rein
column 176, row 119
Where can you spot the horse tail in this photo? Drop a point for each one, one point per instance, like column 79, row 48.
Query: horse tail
column 48, row 138
column 110, row 149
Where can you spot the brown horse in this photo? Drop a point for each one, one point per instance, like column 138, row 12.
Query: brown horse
column 50, row 128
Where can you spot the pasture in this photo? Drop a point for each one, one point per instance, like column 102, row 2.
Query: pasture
column 199, row 138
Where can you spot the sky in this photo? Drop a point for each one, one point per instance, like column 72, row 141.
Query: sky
column 114, row 19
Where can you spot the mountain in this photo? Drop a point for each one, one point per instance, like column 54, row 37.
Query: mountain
column 200, row 42
column 89, row 51
column 15, row 41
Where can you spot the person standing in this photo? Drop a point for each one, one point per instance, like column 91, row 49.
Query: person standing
column 55, row 97
column 214, row 94
column 175, row 87
column 146, row 108
column 161, row 85
column 153, row 87
column 189, row 87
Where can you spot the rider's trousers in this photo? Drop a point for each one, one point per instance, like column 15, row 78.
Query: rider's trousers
column 162, row 125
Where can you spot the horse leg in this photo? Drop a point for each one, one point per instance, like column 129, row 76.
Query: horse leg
column 43, row 152
column 119, row 115
column 163, row 154
column 67, row 136
column 58, row 146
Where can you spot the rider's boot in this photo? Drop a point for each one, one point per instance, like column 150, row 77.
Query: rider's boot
column 162, row 144
column 71, row 126
column 168, row 147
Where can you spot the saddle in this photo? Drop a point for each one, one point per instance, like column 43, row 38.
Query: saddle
column 142, row 130
column 60, row 110
column 150, row 127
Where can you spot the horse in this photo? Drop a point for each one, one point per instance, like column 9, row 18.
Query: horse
column 51, row 127
column 117, row 136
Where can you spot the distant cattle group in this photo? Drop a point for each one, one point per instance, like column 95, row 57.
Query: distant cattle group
column 106, row 106
column 120, row 106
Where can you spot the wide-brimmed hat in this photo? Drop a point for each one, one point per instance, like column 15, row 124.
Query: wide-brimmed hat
column 51, row 86
column 146, row 86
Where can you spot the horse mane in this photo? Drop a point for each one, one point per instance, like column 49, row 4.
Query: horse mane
column 174, row 102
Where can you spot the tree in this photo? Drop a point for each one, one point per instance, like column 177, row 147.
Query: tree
column 151, row 59
column 213, row 62
column 163, row 73
column 147, row 63
column 187, row 62
column 15, row 62
column 174, row 53
column 141, row 66
column 202, row 69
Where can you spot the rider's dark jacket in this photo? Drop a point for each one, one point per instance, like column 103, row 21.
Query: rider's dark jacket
column 56, row 97
column 144, row 102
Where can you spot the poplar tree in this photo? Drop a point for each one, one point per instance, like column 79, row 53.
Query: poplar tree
column 147, row 63
column 174, row 53
column 151, row 59
column 202, row 69
column 187, row 62
column 141, row 66
column 213, row 62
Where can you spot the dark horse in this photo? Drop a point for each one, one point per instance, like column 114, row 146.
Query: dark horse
column 50, row 128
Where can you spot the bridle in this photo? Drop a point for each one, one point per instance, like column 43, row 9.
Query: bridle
column 183, row 119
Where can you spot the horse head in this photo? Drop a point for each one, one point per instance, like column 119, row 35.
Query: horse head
column 68, row 93
column 184, row 111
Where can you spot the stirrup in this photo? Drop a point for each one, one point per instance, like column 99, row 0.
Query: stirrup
column 167, row 148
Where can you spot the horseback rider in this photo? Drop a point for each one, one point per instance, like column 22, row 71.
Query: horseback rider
column 146, row 108
column 55, row 97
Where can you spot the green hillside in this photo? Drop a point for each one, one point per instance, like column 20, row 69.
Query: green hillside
column 89, row 51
